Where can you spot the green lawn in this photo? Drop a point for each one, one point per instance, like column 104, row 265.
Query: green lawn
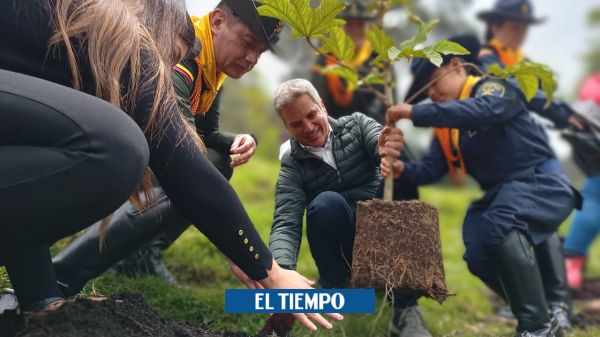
column 204, row 271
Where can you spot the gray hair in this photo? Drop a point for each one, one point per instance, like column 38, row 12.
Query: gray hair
column 289, row 91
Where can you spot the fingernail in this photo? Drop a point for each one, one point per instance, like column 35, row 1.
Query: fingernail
column 329, row 326
column 341, row 317
column 313, row 327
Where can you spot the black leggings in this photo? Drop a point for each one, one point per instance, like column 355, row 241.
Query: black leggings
column 67, row 159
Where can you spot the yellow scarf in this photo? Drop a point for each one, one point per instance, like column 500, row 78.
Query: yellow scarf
column 508, row 56
column 449, row 138
column 338, row 90
column 201, row 100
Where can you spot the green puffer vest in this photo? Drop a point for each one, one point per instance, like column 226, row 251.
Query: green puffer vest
column 303, row 176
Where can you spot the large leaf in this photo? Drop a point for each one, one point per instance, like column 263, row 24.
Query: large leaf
column 305, row 21
column 421, row 35
column 525, row 73
column 325, row 16
column 372, row 79
column 339, row 44
column 379, row 40
column 350, row 76
column 446, row 48
column 529, row 85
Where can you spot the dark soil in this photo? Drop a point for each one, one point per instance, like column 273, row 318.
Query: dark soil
column 125, row 314
column 589, row 291
column 397, row 245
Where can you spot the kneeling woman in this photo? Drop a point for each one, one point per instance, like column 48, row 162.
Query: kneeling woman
column 484, row 129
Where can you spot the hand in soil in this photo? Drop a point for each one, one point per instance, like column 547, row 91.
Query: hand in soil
column 384, row 167
column 289, row 279
column 251, row 284
column 55, row 305
column 391, row 142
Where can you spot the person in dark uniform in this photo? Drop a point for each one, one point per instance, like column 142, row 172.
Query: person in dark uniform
column 340, row 101
column 198, row 99
column 483, row 128
column 63, row 146
column 507, row 26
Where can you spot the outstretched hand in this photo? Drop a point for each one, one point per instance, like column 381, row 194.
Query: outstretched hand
column 398, row 112
column 397, row 166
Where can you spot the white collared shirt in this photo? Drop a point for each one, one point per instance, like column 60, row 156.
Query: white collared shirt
column 325, row 153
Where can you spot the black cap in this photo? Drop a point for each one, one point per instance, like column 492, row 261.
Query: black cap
column 264, row 27
column 517, row 10
column 422, row 68
column 356, row 10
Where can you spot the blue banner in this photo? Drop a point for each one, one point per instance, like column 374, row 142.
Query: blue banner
column 300, row 301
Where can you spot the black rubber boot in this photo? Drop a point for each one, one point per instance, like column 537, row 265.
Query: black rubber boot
column 520, row 277
column 128, row 231
column 551, row 262
column 148, row 260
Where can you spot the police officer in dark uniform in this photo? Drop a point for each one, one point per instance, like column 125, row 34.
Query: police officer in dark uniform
column 507, row 26
column 197, row 83
column 340, row 101
column 483, row 128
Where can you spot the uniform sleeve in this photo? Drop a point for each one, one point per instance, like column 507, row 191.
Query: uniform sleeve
column 495, row 102
column 184, row 86
column 208, row 127
column 487, row 57
column 200, row 192
column 557, row 112
column 370, row 130
column 427, row 170
column 290, row 204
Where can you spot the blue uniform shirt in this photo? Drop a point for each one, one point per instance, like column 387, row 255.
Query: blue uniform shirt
column 497, row 136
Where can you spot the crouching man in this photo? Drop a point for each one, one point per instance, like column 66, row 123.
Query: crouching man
column 331, row 165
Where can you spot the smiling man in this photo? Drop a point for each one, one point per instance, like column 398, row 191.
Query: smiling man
column 331, row 164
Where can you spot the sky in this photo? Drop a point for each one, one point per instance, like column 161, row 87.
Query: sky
column 560, row 43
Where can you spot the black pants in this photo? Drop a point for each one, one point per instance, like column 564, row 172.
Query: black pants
column 330, row 230
column 67, row 159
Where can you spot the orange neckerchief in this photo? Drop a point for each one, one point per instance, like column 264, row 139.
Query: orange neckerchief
column 200, row 101
column 338, row 90
column 449, row 138
column 508, row 56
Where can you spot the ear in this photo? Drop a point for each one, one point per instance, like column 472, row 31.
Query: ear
column 455, row 62
column 495, row 28
column 218, row 20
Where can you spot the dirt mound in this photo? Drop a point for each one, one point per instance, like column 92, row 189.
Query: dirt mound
column 397, row 245
column 125, row 314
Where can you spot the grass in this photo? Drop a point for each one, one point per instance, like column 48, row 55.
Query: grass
column 203, row 270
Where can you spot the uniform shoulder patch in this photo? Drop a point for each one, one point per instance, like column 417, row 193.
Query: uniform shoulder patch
column 491, row 88
column 485, row 51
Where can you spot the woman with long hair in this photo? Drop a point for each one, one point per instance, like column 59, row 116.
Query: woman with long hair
column 101, row 48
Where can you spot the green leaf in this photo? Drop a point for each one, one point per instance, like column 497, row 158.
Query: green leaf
column 372, row 79
column 434, row 57
column 524, row 72
column 379, row 40
column 305, row 21
column 350, row 76
column 421, row 35
column 446, row 48
column 495, row 70
column 529, row 85
column 339, row 44
column 324, row 17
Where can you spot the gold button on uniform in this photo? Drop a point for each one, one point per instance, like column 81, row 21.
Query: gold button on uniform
column 241, row 232
column 251, row 248
column 256, row 256
column 245, row 241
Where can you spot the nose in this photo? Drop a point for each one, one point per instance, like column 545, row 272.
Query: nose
column 308, row 126
column 252, row 57
column 431, row 91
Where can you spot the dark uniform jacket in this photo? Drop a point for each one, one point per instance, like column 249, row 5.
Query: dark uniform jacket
column 497, row 137
column 557, row 112
column 207, row 125
column 303, row 177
